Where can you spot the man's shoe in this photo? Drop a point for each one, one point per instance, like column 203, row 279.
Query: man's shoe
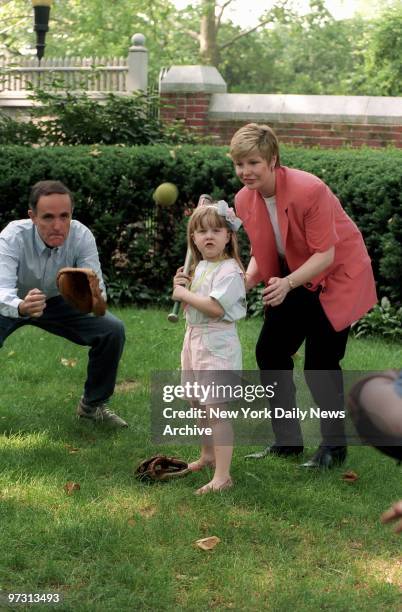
column 277, row 451
column 99, row 414
column 326, row 457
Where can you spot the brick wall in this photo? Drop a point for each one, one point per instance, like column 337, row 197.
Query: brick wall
column 194, row 109
column 319, row 134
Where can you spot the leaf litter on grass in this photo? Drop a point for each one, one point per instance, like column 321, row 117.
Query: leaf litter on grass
column 71, row 486
column 207, row 543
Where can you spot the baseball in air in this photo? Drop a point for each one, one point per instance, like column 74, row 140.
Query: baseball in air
column 166, row 194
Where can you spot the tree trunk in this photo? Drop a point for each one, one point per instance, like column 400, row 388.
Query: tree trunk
column 208, row 34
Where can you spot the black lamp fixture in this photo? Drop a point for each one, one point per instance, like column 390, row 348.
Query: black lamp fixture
column 42, row 11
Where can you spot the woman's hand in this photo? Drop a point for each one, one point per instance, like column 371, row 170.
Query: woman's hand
column 275, row 292
column 253, row 276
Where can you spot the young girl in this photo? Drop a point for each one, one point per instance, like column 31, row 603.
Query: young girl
column 214, row 301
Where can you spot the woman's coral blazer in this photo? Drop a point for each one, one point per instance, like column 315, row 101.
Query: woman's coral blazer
column 311, row 219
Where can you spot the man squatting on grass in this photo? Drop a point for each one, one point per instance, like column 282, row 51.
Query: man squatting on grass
column 32, row 251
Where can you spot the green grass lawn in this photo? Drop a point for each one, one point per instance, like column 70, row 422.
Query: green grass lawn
column 290, row 539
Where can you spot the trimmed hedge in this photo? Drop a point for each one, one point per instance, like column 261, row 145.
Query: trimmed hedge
column 141, row 245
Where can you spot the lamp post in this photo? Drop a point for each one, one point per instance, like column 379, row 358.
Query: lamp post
column 42, row 11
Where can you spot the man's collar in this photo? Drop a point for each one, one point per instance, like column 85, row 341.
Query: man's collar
column 41, row 246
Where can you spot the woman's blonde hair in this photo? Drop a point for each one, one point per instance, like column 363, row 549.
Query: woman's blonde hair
column 255, row 137
column 207, row 216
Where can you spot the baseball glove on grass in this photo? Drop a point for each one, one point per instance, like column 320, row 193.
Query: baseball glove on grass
column 80, row 288
column 161, row 468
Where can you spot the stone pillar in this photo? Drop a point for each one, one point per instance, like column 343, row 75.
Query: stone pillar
column 185, row 93
column 137, row 76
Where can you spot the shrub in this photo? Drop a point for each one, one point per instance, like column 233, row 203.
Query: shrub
column 383, row 320
column 79, row 119
column 17, row 132
column 390, row 265
column 142, row 245
column 75, row 118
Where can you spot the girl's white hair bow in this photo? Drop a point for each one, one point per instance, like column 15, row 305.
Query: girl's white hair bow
column 224, row 210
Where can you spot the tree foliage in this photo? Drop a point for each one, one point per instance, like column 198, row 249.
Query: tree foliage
column 383, row 60
column 285, row 53
column 88, row 28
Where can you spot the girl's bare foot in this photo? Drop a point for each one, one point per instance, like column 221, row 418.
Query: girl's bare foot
column 201, row 464
column 215, row 486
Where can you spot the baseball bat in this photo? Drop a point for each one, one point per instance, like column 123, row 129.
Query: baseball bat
column 173, row 317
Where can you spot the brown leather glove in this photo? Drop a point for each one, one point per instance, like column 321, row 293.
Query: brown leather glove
column 160, row 468
column 80, row 288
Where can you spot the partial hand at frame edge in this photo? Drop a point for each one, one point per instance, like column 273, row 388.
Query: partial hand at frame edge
column 393, row 514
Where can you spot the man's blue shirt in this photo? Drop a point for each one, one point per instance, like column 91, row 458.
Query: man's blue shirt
column 27, row 263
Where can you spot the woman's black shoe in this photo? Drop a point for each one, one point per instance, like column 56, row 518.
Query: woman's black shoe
column 326, row 457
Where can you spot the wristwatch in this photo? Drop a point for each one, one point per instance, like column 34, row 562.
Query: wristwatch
column 291, row 282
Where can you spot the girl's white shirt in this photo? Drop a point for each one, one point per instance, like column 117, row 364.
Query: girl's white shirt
column 222, row 280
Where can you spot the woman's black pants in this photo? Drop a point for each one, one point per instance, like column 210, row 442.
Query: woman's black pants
column 301, row 318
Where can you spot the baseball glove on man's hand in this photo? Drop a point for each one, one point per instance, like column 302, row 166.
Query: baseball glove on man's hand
column 80, row 288
column 160, row 468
